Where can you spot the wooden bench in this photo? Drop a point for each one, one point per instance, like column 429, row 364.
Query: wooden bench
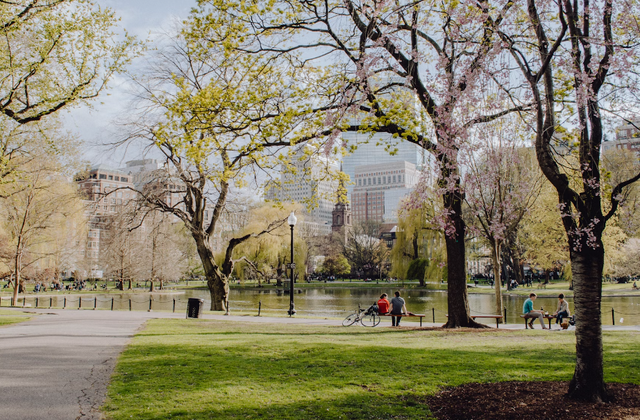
column 527, row 317
column 411, row 315
column 496, row 317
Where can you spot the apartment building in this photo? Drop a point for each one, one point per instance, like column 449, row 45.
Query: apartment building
column 105, row 193
column 627, row 138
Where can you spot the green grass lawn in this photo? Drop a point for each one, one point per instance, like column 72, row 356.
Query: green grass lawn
column 198, row 369
column 11, row 317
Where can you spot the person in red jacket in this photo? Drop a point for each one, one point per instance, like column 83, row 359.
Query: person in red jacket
column 383, row 304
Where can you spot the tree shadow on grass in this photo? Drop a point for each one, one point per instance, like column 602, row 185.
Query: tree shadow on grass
column 305, row 379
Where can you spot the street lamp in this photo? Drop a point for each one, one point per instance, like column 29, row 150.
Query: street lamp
column 292, row 222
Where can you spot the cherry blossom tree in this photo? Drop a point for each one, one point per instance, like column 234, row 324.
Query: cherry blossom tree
column 503, row 183
column 416, row 70
column 579, row 61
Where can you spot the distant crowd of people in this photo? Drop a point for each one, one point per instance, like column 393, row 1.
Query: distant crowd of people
column 58, row 286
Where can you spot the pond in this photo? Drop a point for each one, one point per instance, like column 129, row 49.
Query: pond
column 339, row 301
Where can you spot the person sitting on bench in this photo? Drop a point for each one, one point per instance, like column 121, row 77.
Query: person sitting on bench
column 383, row 305
column 398, row 308
column 529, row 312
column 563, row 309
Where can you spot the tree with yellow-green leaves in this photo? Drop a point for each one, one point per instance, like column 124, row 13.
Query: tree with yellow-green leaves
column 264, row 258
column 502, row 183
column 620, row 238
column 417, row 240
column 54, row 54
column 541, row 232
column 43, row 220
column 335, row 265
column 219, row 119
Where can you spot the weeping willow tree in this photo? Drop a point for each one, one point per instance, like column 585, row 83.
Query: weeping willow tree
column 266, row 257
column 419, row 249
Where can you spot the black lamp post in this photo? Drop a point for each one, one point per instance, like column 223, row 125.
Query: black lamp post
column 292, row 222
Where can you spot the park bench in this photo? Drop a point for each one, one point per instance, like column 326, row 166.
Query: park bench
column 496, row 317
column 527, row 317
column 409, row 315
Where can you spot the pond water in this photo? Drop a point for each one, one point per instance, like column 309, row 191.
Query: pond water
column 338, row 302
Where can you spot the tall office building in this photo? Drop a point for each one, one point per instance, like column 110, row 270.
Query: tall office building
column 379, row 189
column 308, row 183
column 374, row 152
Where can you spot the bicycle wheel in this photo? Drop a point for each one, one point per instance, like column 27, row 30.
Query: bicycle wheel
column 350, row 320
column 370, row 320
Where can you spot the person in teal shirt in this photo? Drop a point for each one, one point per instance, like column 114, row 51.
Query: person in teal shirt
column 529, row 312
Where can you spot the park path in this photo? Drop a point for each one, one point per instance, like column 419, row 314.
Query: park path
column 57, row 365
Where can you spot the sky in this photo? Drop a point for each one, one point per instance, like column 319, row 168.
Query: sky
column 95, row 125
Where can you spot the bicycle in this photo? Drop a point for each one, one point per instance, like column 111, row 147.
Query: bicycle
column 367, row 317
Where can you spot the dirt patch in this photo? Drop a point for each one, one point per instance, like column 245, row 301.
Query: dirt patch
column 530, row 401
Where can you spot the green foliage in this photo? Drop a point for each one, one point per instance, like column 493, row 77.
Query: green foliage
column 335, row 265
column 416, row 238
column 417, row 269
column 542, row 233
column 620, row 247
column 54, row 54
column 201, row 369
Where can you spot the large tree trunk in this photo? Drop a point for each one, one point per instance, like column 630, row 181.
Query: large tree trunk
column 17, row 268
column 219, row 291
column 217, row 282
column 457, row 297
column 588, row 381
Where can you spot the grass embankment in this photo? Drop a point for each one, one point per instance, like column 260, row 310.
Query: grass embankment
column 197, row 369
column 12, row 317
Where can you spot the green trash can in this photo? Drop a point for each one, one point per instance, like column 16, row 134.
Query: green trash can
column 194, row 307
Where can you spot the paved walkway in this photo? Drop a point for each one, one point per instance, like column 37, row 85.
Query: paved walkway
column 57, row 366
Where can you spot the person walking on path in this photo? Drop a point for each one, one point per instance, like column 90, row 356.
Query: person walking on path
column 528, row 310
column 398, row 308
